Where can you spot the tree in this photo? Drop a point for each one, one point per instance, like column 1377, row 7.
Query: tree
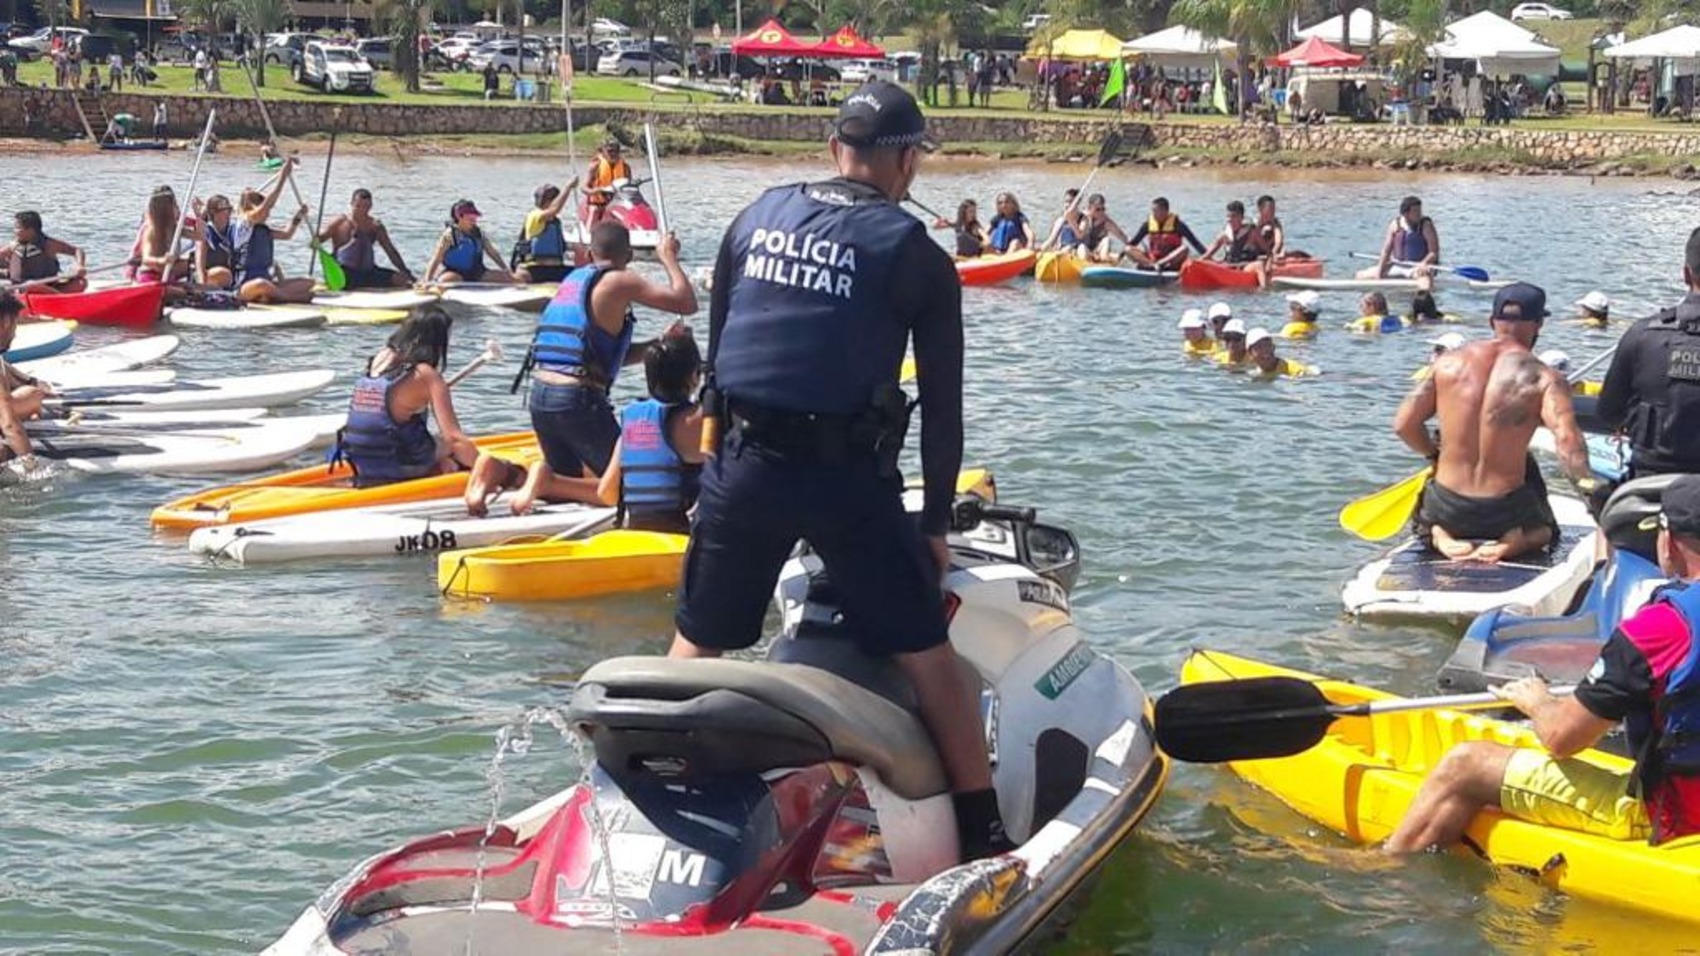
column 1425, row 25
column 406, row 20
column 258, row 18
column 1260, row 27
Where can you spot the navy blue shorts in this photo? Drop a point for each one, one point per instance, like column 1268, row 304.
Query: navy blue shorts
column 753, row 508
column 575, row 427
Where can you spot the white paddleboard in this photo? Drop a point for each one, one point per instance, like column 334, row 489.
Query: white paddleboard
column 283, row 388
column 38, row 340
column 123, row 418
column 500, row 297
column 108, row 358
column 323, row 427
column 374, row 299
column 1379, row 285
column 132, row 379
column 176, row 453
column 422, row 527
column 253, row 317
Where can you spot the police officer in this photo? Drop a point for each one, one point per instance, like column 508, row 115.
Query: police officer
column 1652, row 390
column 817, row 289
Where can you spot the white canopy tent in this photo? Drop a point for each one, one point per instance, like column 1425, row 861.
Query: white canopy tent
column 1362, row 23
column 1500, row 47
column 1181, row 48
column 1678, row 44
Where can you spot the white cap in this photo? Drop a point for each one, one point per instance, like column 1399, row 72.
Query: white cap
column 1255, row 336
column 1556, row 358
column 1449, row 341
column 1221, row 310
column 1234, row 327
column 1307, row 300
column 1191, row 319
column 1595, row 301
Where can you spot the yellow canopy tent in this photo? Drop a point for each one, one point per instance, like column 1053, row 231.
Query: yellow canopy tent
column 1078, row 45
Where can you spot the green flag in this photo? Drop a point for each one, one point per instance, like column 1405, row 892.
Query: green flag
column 1219, row 92
column 1118, row 82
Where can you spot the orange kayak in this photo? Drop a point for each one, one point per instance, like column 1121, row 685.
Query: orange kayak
column 320, row 488
column 1203, row 275
column 990, row 270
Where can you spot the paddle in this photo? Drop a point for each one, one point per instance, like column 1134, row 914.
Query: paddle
column 324, row 189
column 188, row 197
column 918, row 204
column 1107, row 151
column 335, row 279
column 492, row 353
column 1380, row 515
column 1259, row 718
column 1473, row 273
column 655, row 176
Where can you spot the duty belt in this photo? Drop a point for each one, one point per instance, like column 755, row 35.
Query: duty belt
column 823, row 437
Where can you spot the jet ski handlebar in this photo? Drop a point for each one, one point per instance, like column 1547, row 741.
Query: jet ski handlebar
column 970, row 510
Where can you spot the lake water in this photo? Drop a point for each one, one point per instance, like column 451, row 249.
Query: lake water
column 189, row 754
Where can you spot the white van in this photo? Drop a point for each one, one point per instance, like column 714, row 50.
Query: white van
column 867, row 71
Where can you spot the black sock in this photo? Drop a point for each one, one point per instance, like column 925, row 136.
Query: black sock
column 979, row 824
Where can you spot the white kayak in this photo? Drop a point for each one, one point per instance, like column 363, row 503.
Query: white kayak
column 38, row 340
column 1413, row 581
column 421, row 527
column 374, row 299
column 500, row 297
column 283, row 388
column 1381, row 285
column 175, row 453
column 120, row 357
column 254, row 317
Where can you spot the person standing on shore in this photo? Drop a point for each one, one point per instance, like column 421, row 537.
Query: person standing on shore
column 159, row 121
column 1411, row 249
column 1652, row 389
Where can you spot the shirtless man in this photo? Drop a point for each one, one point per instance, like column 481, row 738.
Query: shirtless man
column 1486, row 500
column 20, row 395
column 353, row 235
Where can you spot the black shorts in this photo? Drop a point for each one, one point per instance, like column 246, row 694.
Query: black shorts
column 1486, row 519
column 373, row 278
column 752, row 509
column 546, row 272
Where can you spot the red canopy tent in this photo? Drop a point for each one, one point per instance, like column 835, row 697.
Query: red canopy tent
column 1316, row 52
column 771, row 39
column 847, row 43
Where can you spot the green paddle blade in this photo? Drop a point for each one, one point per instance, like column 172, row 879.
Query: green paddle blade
column 1251, row 719
column 1382, row 515
column 335, row 279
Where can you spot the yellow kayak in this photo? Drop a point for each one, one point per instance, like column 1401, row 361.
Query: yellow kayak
column 1058, row 267
column 320, row 488
column 613, row 562
column 1362, row 777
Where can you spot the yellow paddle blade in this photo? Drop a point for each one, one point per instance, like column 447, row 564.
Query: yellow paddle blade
column 907, row 375
column 1383, row 514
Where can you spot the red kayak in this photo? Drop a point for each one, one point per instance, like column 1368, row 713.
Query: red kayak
column 1202, row 275
column 990, row 270
column 131, row 306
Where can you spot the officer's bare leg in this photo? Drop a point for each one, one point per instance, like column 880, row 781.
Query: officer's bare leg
column 951, row 712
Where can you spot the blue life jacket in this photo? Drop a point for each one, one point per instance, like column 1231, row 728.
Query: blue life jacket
column 1412, row 245
column 256, row 258
column 1392, row 323
column 379, row 448
column 811, row 323
column 569, row 342
column 1007, row 231
column 656, row 485
column 551, row 243
column 1668, row 743
column 1067, row 238
column 465, row 252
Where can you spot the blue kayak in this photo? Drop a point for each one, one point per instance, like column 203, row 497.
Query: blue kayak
column 38, row 340
column 1119, row 277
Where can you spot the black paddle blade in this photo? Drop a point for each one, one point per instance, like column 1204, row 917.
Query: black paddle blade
column 1251, row 719
column 1111, row 146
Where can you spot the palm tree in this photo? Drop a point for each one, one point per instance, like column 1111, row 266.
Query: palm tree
column 406, row 20
column 1258, row 26
column 258, row 18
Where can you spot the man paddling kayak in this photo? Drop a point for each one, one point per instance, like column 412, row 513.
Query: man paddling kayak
column 354, row 237
column 1644, row 678
column 1164, row 237
column 1411, row 249
column 1486, row 500
column 20, row 395
column 34, row 255
column 1241, row 244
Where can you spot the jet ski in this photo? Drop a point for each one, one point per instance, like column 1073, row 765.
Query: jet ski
column 628, row 207
column 796, row 804
column 1504, row 644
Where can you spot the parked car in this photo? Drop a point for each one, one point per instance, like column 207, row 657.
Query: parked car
column 505, row 55
column 284, row 49
column 604, row 27
column 1538, row 11
column 1034, row 21
column 376, row 51
column 41, row 40
column 867, row 71
column 333, row 67
column 636, row 63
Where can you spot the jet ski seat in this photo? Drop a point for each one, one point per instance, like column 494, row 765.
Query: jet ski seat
column 1628, row 506
column 690, row 719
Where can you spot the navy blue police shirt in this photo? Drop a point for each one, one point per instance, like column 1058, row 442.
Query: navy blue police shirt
column 817, row 289
column 1652, row 391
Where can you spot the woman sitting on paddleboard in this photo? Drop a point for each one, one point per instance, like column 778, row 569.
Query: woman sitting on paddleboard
column 253, row 243
column 970, row 235
column 387, row 437
column 462, row 249
column 153, row 253
column 652, row 475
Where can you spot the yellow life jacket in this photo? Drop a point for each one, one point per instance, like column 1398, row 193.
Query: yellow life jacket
column 1300, row 330
column 1201, row 349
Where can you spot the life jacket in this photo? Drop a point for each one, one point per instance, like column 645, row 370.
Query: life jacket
column 1067, row 238
column 357, row 252
column 569, row 342
column 968, row 245
column 1007, row 231
column 1299, row 330
column 1162, row 238
column 375, row 445
column 255, row 256
column 550, row 243
column 811, row 325
column 1243, row 247
column 465, row 251
column 1667, row 740
column 657, row 487
column 1411, row 245
column 221, row 246
column 34, row 261
column 1198, row 349
column 603, row 175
